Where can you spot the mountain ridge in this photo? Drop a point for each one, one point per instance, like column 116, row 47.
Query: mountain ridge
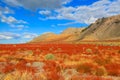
column 102, row 29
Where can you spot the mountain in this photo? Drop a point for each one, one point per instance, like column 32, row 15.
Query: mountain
column 103, row 29
column 68, row 35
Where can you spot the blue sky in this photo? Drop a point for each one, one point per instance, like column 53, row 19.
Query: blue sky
column 22, row 20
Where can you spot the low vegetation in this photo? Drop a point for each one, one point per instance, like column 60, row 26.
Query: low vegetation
column 59, row 62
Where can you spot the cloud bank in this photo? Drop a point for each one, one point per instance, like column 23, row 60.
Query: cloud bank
column 10, row 20
column 11, row 35
column 37, row 4
column 88, row 13
column 56, row 9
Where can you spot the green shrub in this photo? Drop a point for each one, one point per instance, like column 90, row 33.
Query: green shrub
column 29, row 52
column 89, row 50
column 49, row 56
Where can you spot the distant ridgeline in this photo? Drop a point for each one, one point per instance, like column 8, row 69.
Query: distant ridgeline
column 103, row 29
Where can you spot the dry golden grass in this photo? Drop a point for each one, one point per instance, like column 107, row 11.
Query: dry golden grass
column 16, row 75
column 109, row 43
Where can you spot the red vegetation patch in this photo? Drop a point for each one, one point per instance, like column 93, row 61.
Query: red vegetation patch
column 85, row 59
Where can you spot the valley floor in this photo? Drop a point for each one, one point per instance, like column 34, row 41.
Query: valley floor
column 59, row 62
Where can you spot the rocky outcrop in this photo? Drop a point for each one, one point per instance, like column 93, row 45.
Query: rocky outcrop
column 103, row 29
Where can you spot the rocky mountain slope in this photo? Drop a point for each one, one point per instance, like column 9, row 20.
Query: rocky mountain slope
column 103, row 29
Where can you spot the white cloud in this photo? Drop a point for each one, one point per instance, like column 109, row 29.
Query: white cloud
column 88, row 14
column 29, row 35
column 12, row 2
column 11, row 35
column 6, row 10
column 54, row 9
column 114, row 7
column 14, row 23
column 90, row 20
column 45, row 12
column 5, row 37
column 8, row 35
column 19, row 27
column 12, row 20
column 66, row 1
column 37, row 4
column 8, row 20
